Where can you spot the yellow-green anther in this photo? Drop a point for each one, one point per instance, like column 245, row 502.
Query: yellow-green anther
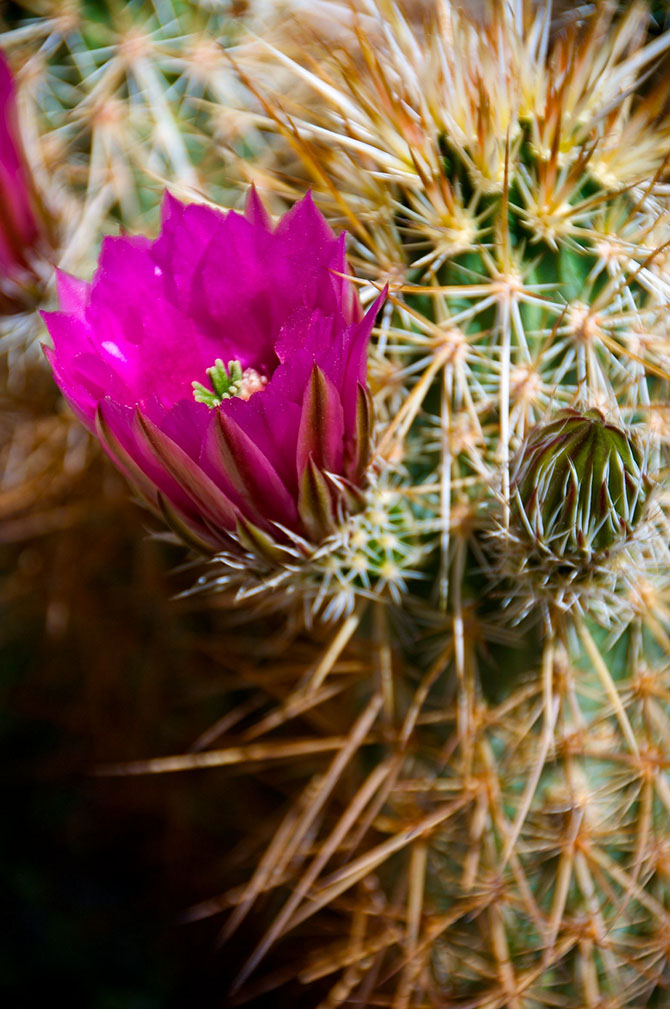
column 226, row 383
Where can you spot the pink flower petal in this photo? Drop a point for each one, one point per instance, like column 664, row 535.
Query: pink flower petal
column 255, row 212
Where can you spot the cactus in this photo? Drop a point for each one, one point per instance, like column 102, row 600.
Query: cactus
column 476, row 658
column 507, row 177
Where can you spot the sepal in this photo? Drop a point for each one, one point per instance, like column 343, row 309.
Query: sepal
column 259, row 543
column 315, row 503
column 196, row 539
column 189, row 475
column 321, row 432
column 362, row 448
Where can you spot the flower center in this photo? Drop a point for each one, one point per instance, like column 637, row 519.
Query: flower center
column 228, row 382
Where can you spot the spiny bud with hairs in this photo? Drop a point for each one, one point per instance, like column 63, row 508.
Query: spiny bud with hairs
column 580, row 485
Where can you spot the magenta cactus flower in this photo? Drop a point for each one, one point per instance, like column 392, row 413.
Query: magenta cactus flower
column 223, row 367
column 23, row 232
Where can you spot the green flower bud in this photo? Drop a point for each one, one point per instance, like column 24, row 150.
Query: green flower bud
column 579, row 486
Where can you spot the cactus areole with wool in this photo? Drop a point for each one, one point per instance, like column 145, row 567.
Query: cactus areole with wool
column 223, row 367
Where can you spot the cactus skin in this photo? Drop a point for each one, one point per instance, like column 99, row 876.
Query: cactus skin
column 488, row 822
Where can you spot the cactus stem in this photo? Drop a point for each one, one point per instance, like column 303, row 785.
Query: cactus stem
column 401, row 423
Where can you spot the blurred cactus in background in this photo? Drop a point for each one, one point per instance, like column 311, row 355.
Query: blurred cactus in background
column 115, row 102
column 456, row 692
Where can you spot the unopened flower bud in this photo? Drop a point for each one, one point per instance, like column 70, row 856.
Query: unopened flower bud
column 579, row 486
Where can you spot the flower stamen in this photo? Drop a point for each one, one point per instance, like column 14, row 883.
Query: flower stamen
column 227, row 383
